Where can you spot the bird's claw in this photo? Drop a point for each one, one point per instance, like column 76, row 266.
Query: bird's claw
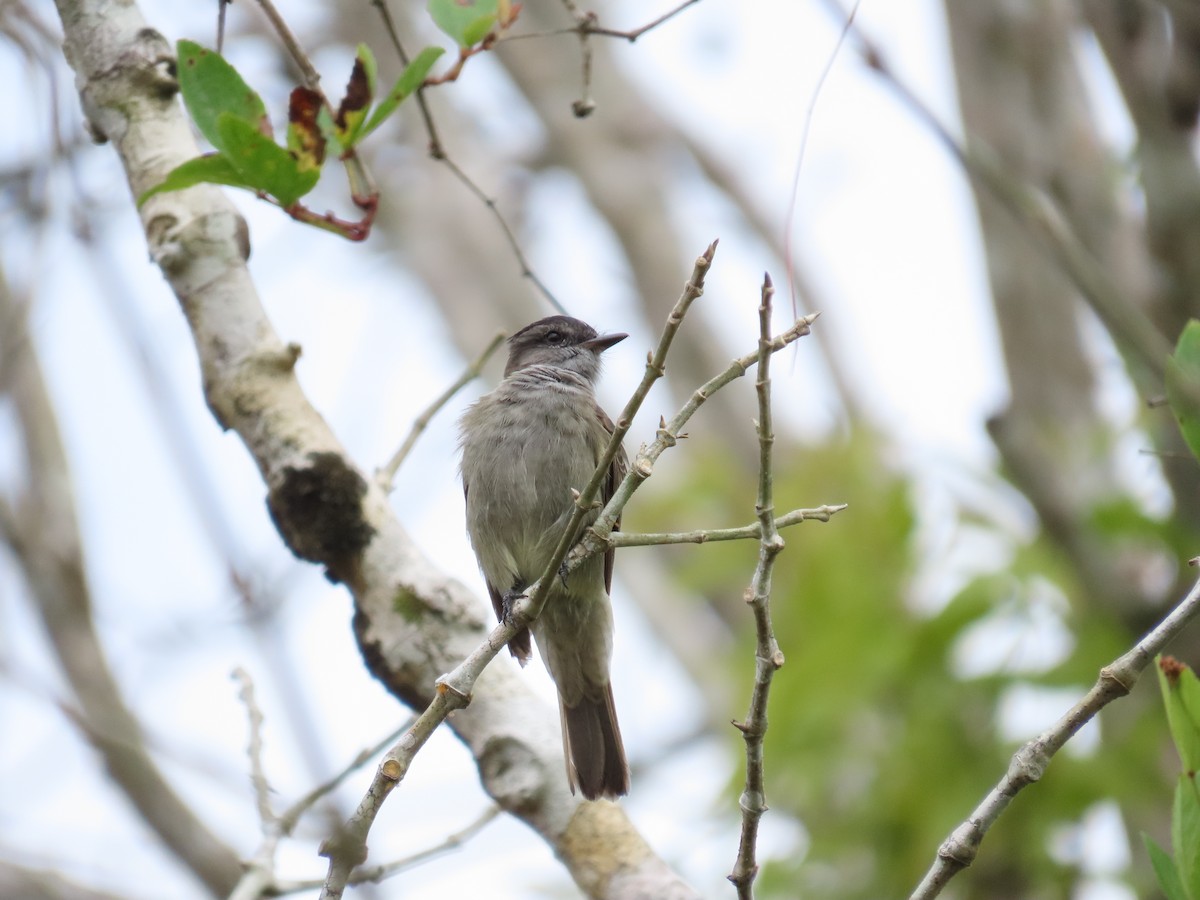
column 562, row 572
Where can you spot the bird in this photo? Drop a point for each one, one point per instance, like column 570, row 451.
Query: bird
column 526, row 445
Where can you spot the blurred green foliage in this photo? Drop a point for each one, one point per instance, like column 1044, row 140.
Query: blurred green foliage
column 875, row 744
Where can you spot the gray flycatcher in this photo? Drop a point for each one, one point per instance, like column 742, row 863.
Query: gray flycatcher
column 525, row 446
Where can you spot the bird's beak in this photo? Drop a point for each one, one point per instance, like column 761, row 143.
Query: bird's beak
column 602, row 342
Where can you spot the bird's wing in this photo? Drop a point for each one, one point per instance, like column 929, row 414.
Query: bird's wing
column 616, row 474
column 521, row 645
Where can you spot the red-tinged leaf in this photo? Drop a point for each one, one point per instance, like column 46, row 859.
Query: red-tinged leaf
column 304, row 134
column 360, row 91
column 212, row 168
column 212, row 87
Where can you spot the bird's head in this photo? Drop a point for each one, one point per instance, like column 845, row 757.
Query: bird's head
column 559, row 341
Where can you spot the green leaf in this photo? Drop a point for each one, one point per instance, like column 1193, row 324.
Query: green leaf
column 1183, row 385
column 1185, row 834
column 360, row 91
column 263, row 164
column 466, row 21
column 410, row 79
column 1181, row 696
column 212, row 87
column 1164, row 868
column 212, row 168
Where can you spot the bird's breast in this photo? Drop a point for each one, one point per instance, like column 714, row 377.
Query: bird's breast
column 525, row 446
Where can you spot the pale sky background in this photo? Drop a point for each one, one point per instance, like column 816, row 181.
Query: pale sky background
column 885, row 225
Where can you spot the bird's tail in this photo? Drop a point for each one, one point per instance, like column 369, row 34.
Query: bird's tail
column 593, row 747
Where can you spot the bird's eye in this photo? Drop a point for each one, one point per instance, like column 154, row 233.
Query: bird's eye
column 554, row 337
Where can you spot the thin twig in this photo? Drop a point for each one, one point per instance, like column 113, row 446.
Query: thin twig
column 636, row 33
column 449, row 843
column 290, row 816
column 386, row 475
column 222, row 5
column 707, row 535
column 491, row 205
column 312, row 78
column 588, row 24
column 389, row 25
column 585, row 105
column 668, row 435
column 438, row 152
column 375, row 874
column 1029, row 763
column 260, row 869
column 767, row 656
column 258, row 879
column 258, row 775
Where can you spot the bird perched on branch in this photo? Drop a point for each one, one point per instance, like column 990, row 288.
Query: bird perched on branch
column 525, row 447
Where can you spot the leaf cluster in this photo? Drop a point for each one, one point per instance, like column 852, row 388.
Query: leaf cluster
column 233, row 118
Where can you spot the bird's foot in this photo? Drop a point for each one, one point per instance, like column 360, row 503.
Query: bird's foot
column 562, row 572
column 507, row 603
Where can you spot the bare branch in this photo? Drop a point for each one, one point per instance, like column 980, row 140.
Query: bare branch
column 767, row 655
column 1029, row 763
